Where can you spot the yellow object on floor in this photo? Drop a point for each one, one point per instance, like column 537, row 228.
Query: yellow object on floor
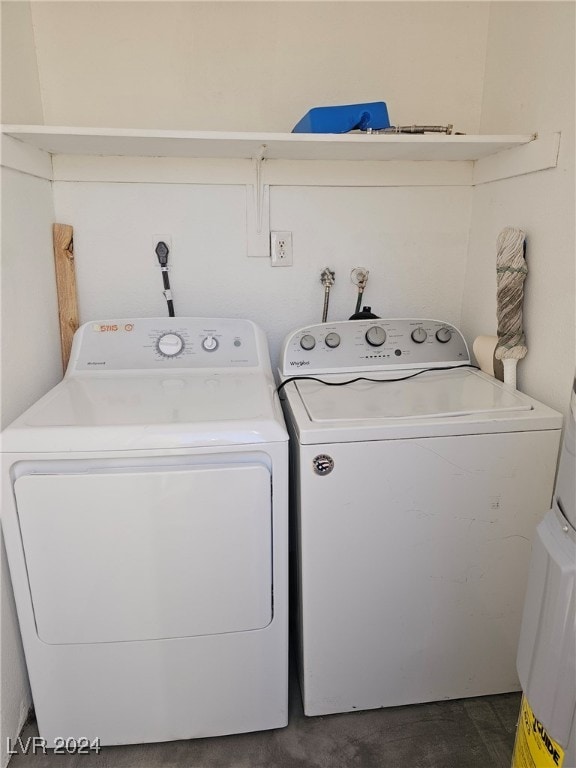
column 533, row 747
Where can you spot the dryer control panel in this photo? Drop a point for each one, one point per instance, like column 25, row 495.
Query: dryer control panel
column 373, row 345
column 170, row 343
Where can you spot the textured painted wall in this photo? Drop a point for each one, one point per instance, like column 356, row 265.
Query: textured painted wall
column 30, row 366
column 20, row 82
column 257, row 66
column 412, row 239
column 529, row 86
column 26, row 312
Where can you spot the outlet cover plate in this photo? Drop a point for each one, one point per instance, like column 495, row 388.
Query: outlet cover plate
column 281, row 249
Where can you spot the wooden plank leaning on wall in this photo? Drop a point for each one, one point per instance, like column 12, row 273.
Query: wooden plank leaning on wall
column 63, row 239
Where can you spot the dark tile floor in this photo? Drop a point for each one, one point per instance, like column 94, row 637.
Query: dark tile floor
column 469, row 733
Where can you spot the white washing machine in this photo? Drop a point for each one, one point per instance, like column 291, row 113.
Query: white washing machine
column 414, row 502
column 145, row 517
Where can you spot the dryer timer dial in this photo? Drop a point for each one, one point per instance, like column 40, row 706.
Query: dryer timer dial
column 170, row 344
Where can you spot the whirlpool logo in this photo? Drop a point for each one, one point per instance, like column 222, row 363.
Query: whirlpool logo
column 299, row 363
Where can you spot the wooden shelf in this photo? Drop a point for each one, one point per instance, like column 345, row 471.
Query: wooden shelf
column 273, row 146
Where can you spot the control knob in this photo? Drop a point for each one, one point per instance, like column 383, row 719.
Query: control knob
column 376, row 336
column 210, row 343
column 419, row 335
column 443, row 335
column 308, row 342
column 170, row 344
column 332, row 340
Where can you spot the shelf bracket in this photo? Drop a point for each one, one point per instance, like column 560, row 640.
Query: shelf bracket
column 540, row 154
column 258, row 210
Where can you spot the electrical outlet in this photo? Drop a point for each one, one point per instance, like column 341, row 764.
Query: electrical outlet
column 281, row 249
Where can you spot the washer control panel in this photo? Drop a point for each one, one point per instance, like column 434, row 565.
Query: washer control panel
column 367, row 345
column 165, row 344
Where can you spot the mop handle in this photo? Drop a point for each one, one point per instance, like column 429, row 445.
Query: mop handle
column 510, row 364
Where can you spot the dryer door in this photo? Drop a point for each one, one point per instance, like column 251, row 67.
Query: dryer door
column 148, row 553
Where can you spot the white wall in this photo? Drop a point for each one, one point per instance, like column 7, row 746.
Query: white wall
column 30, row 366
column 261, row 66
column 412, row 239
column 20, row 101
column 30, row 338
column 529, row 86
column 257, row 66
column 28, row 321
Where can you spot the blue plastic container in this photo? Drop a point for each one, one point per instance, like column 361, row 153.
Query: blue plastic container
column 349, row 117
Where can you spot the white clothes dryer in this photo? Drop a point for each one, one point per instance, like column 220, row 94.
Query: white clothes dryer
column 415, row 500
column 145, row 517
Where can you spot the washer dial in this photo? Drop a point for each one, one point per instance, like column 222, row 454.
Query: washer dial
column 419, row 335
column 376, row 336
column 210, row 343
column 308, row 342
column 332, row 340
column 170, row 344
column 443, row 335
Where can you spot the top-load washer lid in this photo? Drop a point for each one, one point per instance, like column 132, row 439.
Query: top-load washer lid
column 459, row 401
column 440, row 393
column 430, row 395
